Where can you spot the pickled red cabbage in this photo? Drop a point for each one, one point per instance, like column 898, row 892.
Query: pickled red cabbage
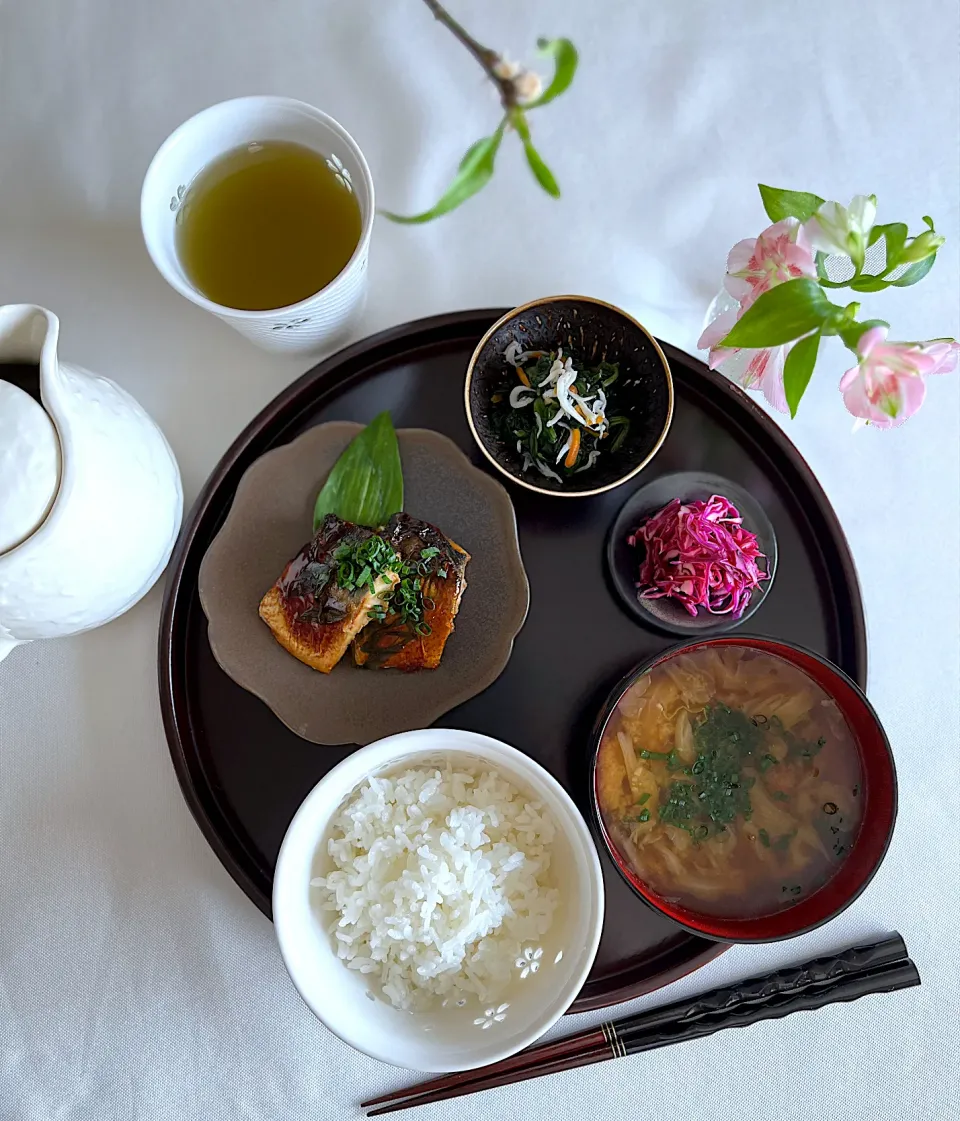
column 699, row 554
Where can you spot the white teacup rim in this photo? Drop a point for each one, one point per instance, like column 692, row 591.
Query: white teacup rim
column 260, row 100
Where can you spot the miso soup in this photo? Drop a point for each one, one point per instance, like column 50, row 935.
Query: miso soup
column 730, row 781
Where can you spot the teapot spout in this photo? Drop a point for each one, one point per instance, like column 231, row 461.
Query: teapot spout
column 28, row 333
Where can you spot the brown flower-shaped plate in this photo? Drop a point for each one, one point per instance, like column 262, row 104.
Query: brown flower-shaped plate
column 270, row 521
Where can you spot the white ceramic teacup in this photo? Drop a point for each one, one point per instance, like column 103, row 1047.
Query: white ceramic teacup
column 323, row 318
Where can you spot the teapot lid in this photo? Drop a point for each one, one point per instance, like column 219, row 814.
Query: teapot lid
column 29, row 465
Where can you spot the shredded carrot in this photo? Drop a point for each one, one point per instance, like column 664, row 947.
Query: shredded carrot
column 577, row 407
column 521, row 374
column 571, row 458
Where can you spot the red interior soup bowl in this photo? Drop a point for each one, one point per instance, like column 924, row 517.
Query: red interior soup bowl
column 743, row 787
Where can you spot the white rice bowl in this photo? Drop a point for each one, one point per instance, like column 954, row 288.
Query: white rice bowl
column 428, row 995
column 439, row 882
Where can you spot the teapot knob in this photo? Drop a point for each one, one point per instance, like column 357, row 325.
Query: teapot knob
column 29, row 465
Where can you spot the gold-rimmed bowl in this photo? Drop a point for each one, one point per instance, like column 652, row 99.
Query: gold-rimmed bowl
column 590, row 331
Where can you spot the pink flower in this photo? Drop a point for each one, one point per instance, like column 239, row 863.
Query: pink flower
column 755, row 265
column 763, row 369
column 945, row 354
column 887, row 385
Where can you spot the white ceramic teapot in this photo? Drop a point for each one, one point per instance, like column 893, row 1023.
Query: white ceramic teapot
column 90, row 494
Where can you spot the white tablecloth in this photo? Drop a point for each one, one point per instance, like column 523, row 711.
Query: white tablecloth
column 136, row 980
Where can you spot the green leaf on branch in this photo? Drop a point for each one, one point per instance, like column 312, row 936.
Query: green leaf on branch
column 798, row 369
column 851, row 335
column 474, row 173
column 565, row 59
column 473, row 152
column 895, row 237
column 781, row 315
column 543, row 175
column 780, row 204
column 915, row 272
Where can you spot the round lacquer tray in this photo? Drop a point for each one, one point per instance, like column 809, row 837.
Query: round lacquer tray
column 243, row 773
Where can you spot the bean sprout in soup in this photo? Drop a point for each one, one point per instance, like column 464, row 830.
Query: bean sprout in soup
column 730, row 781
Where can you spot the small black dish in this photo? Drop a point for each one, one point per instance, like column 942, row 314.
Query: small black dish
column 591, row 331
column 624, row 560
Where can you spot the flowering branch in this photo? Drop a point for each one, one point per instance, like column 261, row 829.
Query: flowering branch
column 779, row 281
column 519, row 91
column 487, row 58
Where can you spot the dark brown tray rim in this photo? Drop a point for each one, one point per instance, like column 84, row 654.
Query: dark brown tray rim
column 285, row 410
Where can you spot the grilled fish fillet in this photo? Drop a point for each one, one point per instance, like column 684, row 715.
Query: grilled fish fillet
column 310, row 615
column 393, row 644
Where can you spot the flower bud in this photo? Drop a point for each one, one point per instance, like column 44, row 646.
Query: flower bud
column 527, row 85
column 922, row 246
column 506, row 69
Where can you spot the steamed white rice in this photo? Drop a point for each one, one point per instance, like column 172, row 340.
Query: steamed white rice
column 439, row 883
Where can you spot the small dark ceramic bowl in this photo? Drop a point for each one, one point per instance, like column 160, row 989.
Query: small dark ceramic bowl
column 879, row 806
column 590, row 331
column 624, row 560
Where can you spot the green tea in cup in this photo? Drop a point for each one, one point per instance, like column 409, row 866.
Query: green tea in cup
column 266, row 225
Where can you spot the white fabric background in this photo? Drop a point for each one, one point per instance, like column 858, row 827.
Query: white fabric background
column 136, row 981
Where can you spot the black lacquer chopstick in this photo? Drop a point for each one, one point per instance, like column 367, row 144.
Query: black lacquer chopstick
column 760, row 990
column 887, row 978
column 859, row 971
column 853, row 960
column 880, row 979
